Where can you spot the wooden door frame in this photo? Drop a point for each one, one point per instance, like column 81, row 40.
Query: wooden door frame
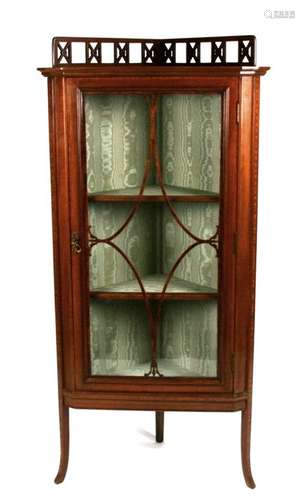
column 75, row 88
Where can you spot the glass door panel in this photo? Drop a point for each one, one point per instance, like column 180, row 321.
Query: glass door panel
column 116, row 142
column 153, row 241
column 153, row 217
column 199, row 266
column 190, row 139
column 119, row 338
column 117, row 137
column 187, row 344
column 108, row 269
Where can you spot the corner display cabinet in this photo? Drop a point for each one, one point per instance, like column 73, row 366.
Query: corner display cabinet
column 154, row 151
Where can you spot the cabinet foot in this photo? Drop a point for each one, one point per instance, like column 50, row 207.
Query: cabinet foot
column 64, row 443
column 245, row 446
column 159, row 426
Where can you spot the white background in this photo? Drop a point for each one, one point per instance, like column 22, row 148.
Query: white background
column 113, row 454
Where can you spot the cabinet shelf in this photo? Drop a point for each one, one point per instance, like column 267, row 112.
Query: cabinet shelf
column 154, row 193
column 177, row 289
column 168, row 368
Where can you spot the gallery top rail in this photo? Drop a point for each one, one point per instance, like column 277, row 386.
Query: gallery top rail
column 206, row 51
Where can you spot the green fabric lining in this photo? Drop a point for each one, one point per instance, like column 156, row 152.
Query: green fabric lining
column 189, row 141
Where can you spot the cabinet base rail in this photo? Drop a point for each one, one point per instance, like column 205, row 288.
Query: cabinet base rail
column 243, row 405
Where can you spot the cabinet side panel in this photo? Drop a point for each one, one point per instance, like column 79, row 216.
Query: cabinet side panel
column 61, row 233
column 253, row 227
column 246, row 234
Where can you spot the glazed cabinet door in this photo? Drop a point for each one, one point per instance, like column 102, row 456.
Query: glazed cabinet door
column 153, row 202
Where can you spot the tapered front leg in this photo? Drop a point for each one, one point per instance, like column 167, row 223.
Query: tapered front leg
column 64, row 442
column 246, row 445
column 159, row 426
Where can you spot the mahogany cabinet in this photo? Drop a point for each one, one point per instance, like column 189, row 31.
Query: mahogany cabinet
column 154, row 152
